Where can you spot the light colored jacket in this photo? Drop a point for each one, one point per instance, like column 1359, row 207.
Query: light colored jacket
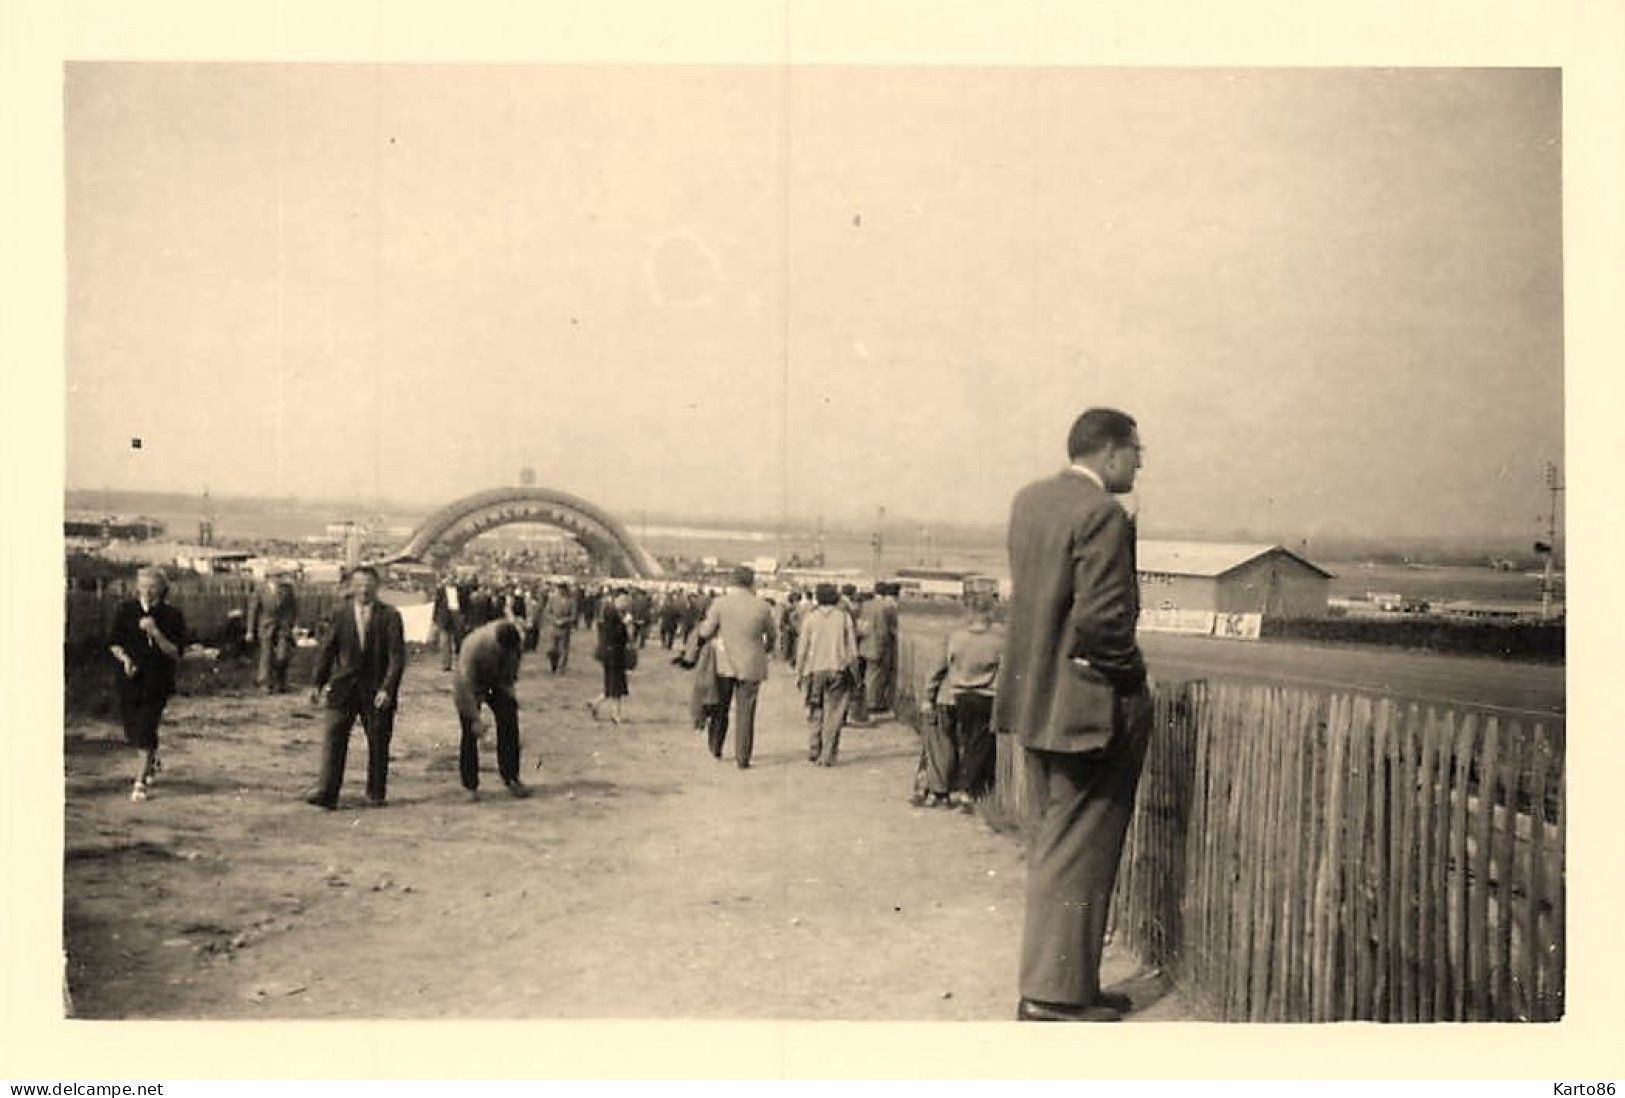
column 828, row 642
column 742, row 625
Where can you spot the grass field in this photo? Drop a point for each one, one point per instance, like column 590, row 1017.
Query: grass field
column 1433, row 583
column 1532, row 692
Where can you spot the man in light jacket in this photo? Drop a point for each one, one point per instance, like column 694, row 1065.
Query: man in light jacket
column 826, row 653
column 740, row 624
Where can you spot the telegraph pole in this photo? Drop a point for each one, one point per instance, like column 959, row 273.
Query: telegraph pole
column 877, row 542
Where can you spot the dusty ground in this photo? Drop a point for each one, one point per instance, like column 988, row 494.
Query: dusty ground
column 644, row 880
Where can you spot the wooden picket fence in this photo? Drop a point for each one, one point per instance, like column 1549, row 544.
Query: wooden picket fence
column 206, row 605
column 1302, row 855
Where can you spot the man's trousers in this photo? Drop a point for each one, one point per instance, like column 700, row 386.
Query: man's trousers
column 959, row 751
column 827, row 695
column 506, row 712
column 276, row 652
column 877, row 683
column 746, row 691
column 379, row 724
column 1073, row 857
column 857, row 705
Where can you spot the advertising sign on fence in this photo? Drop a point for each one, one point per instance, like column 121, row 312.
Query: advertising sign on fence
column 1197, row 622
column 1238, row 626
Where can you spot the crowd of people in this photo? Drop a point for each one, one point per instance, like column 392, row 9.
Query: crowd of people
column 1066, row 677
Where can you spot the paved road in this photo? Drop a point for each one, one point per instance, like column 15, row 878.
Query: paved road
column 1519, row 690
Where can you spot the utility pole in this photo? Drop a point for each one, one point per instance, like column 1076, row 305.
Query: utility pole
column 1548, row 548
column 205, row 526
column 877, row 542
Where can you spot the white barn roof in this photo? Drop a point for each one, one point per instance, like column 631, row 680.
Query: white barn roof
column 1207, row 558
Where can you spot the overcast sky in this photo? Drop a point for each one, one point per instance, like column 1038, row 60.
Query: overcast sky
column 1333, row 298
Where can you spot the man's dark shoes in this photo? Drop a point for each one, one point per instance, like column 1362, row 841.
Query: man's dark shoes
column 377, row 802
column 1115, row 1000
column 1031, row 1010
column 317, row 798
column 517, row 788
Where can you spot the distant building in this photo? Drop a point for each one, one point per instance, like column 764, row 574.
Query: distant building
column 209, row 561
column 1268, row 580
column 931, row 583
column 1498, row 611
column 88, row 525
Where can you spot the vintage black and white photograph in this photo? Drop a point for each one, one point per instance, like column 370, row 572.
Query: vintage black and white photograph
column 862, row 542
column 605, row 532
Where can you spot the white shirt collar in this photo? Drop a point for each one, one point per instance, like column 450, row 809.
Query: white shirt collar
column 1085, row 471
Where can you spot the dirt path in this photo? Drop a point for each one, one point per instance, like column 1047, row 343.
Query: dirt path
column 644, row 880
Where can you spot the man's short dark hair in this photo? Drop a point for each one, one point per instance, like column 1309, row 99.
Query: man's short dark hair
column 744, row 576
column 826, row 594
column 365, row 569
column 1097, row 429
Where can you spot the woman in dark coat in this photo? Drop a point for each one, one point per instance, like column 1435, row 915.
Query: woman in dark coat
column 147, row 638
column 614, row 638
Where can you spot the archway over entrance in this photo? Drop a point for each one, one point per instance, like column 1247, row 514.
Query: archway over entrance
column 599, row 532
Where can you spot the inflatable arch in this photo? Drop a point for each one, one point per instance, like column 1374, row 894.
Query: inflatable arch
column 458, row 523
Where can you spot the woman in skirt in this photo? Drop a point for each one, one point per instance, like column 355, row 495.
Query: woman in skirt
column 614, row 642
column 147, row 639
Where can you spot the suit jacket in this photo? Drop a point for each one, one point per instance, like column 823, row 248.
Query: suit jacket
column 744, row 624
column 273, row 609
column 354, row 672
column 1075, row 596
column 874, row 637
column 561, row 609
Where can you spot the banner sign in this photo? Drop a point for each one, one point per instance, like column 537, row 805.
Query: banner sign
column 1238, row 626
column 1194, row 622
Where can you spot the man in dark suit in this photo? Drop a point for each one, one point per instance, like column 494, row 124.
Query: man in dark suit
column 1073, row 690
column 358, row 672
column 742, row 625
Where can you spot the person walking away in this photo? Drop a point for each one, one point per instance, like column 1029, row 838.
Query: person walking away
column 358, row 675
column 887, row 694
column 694, row 607
column 857, row 705
column 790, row 626
column 1073, row 690
column 740, row 624
column 958, row 706
column 147, row 638
column 671, row 616
column 826, row 651
column 487, row 669
column 874, row 648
